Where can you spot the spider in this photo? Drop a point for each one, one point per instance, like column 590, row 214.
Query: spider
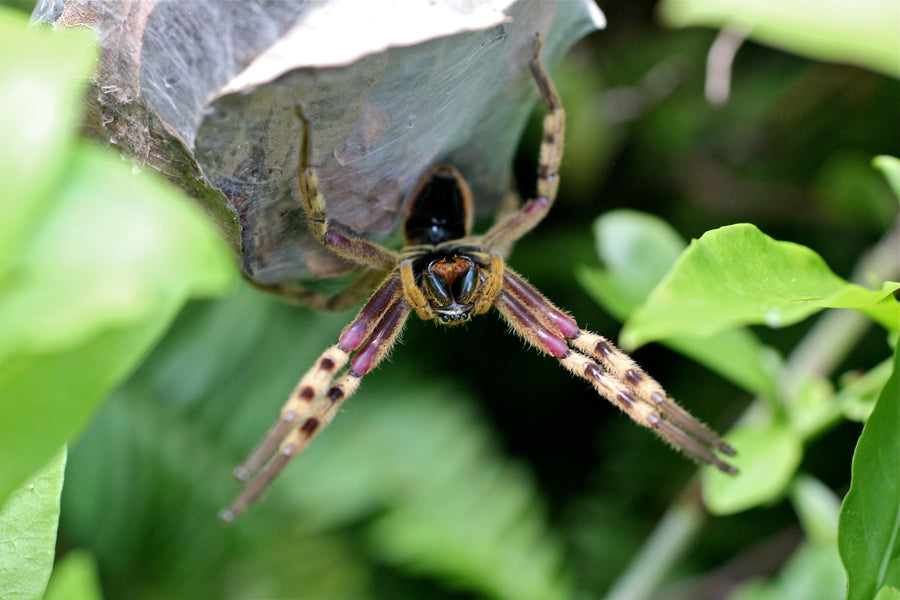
column 445, row 274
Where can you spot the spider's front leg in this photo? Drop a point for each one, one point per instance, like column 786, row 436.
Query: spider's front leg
column 333, row 236
column 323, row 389
column 510, row 229
column 609, row 370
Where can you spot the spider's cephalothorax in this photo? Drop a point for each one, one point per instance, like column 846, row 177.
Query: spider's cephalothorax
column 446, row 274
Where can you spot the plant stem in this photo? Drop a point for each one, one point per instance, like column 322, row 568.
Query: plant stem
column 820, row 351
column 670, row 539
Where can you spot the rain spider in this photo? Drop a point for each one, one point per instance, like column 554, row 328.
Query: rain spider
column 445, row 274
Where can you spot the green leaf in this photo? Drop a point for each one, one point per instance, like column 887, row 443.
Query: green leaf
column 869, row 528
column 103, row 273
column 888, row 593
column 859, row 393
column 890, row 167
column 818, row 508
column 94, row 261
column 637, row 251
column 864, row 32
column 768, row 456
column 28, row 521
column 42, row 75
column 75, row 577
column 736, row 276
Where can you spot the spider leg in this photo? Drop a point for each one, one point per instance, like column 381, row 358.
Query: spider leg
column 613, row 374
column 316, row 398
column 361, row 287
column 493, row 283
column 508, row 206
column 510, row 229
column 413, row 293
column 332, row 235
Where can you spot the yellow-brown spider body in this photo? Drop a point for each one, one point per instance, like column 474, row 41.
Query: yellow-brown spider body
column 446, row 274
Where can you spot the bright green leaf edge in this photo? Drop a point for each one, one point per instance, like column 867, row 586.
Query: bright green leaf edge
column 869, row 526
column 736, row 275
column 28, row 524
column 737, row 355
column 42, row 75
column 637, row 250
column 864, row 32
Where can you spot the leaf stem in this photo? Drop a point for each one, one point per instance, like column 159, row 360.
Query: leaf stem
column 671, row 538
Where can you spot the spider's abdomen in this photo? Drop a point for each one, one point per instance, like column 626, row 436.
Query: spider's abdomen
column 440, row 208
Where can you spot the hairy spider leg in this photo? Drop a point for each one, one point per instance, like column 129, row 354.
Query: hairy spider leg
column 627, row 370
column 510, row 229
column 493, row 283
column 316, row 399
column 614, row 374
column 330, row 234
column 413, row 293
column 618, row 363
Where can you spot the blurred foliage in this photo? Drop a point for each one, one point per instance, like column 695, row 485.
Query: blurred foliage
column 470, row 467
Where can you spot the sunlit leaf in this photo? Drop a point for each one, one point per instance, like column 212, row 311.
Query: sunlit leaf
column 736, row 276
column 869, row 529
column 767, row 459
column 102, row 260
column 637, row 251
column 864, row 32
column 888, row 593
column 28, row 522
column 103, row 274
column 42, row 76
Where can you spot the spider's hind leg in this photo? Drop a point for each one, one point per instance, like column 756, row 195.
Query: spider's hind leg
column 609, row 370
column 322, row 390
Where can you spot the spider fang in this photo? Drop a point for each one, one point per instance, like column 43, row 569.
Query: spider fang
column 445, row 274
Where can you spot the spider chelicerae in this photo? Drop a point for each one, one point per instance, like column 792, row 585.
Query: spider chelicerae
column 445, row 274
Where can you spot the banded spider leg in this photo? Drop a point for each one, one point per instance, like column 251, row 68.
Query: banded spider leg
column 322, row 390
column 610, row 371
